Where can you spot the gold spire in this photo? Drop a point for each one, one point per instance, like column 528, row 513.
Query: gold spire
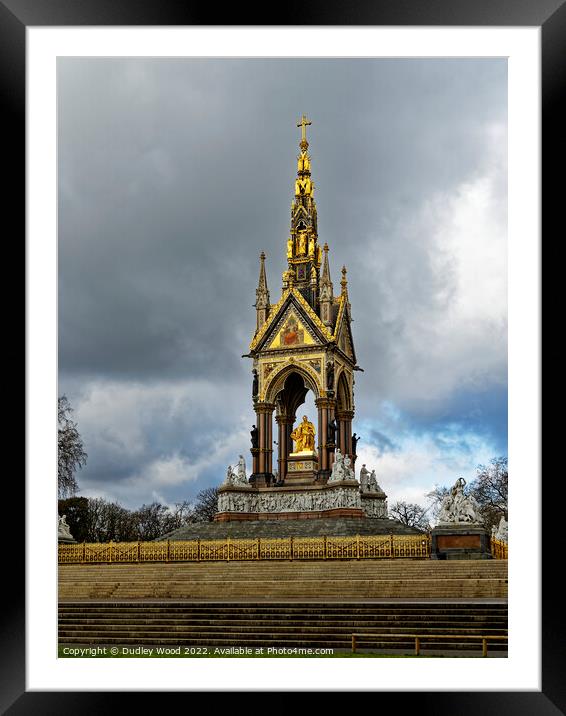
column 344, row 281
column 303, row 184
column 304, row 255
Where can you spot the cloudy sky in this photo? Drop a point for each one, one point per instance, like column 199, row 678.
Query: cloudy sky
column 174, row 174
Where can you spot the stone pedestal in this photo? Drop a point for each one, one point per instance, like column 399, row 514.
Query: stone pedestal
column 341, row 499
column 460, row 541
column 374, row 504
column 302, row 468
column 64, row 535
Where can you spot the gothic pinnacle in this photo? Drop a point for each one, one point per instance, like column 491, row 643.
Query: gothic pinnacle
column 262, row 292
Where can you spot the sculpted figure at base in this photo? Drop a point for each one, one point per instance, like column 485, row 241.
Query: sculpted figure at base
column 348, row 469
column 372, row 482
column 230, row 476
column 457, row 507
column 364, row 477
column 338, row 472
column 64, row 532
column 501, row 532
column 242, row 479
column 303, row 435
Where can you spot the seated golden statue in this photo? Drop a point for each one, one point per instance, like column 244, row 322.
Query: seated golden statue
column 303, row 435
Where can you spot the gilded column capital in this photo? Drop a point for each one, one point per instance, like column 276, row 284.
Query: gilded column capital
column 344, row 414
column 284, row 419
column 325, row 402
column 262, row 407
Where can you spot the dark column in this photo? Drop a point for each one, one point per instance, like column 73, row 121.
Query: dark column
column 264, row 412
column 269, row 445
column 325, row 451
column 255, row 461
column 344, row 419
column 284, row 425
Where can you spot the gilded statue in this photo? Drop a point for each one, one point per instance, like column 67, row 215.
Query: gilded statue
column 303, row 163
column 303, row 435
column 290, row 248
column 302, row 244
column 311, row 246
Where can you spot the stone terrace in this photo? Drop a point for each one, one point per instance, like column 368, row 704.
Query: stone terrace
column 331, row 527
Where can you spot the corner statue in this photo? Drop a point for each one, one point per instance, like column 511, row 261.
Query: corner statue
column 304, row 436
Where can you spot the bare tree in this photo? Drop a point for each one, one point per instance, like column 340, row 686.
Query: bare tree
column 207, row 505
column 435, row 498
column 106, row 521
column 490, row 490
column 150, row 521
column 410, row 514
column 183, row 513
column 71, row 454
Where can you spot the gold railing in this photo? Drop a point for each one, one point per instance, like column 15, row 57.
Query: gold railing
column 499, row 549
column 289, row 548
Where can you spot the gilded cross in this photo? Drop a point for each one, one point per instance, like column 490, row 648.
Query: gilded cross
column 304, row 123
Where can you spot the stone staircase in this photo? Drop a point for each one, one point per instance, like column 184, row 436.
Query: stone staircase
column 272, row 624
column 286, row 580
column 329, row 526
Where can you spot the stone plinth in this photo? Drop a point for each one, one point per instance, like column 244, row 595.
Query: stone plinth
column 346, row 512
column 302, row 468
column 374, row 504
column 460, row 541
column 310, row 501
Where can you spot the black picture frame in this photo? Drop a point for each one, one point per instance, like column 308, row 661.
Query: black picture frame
column 550, row 16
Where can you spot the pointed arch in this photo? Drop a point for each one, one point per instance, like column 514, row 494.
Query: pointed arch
column 277, row 381
column 343, row 392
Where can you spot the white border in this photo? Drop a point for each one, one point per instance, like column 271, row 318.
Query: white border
column 521, row 671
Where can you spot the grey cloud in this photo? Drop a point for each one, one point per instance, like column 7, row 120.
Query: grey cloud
column 175, row 174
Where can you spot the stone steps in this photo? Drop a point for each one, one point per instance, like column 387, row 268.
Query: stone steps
column 315, row 570
column 325, row 526
column 280, row 624
column 371, row 579
column 288, row 610
column 194, row 572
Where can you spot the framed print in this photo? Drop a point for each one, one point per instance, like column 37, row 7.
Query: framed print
column 72, row 69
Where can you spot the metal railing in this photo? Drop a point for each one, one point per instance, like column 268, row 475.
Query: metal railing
column 418, row 637
column 284, row 548
column 499, row 549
